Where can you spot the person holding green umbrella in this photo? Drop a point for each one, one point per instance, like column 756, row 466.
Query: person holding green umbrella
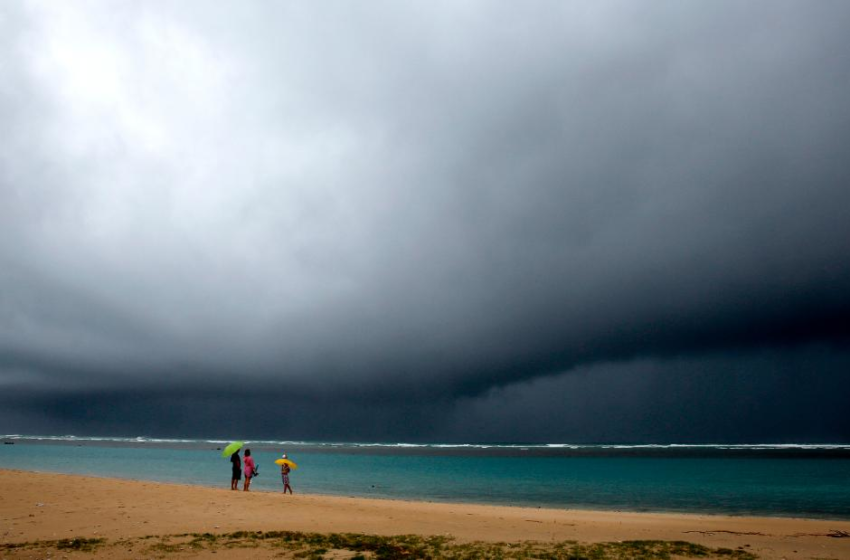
column 236, row 463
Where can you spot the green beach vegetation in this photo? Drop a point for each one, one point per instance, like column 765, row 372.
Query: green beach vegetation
column 291, row 544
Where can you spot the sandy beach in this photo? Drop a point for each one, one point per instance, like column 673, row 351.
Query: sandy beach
column 132, row 516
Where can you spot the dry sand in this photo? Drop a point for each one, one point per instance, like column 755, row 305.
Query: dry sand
column 41, row 506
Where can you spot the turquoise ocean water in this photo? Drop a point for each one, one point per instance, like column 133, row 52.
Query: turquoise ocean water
column 783, row 480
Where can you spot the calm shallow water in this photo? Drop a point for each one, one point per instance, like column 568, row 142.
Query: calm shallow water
column 752, row 481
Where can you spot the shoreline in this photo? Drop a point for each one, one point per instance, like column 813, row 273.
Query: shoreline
column 590, row 510
column 46, row 507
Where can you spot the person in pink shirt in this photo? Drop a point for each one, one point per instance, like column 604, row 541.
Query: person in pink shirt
column 249, row 469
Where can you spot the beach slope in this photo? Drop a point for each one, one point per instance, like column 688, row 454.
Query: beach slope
column 78, row 514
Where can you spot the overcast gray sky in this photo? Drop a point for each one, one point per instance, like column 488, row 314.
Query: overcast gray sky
column 584, row 221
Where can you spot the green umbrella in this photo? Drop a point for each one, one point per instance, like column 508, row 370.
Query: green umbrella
column 231, row 449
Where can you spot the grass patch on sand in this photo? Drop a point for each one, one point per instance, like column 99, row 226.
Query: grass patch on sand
column 293, row 544
column 317, row 545
column 81, row 545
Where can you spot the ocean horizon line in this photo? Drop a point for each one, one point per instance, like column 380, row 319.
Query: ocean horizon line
column 141, row 439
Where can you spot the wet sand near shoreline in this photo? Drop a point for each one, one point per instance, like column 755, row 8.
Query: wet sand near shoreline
column 59, row 508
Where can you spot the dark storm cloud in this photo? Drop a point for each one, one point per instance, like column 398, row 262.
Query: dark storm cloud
column 766, row 396
column 407, row 207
